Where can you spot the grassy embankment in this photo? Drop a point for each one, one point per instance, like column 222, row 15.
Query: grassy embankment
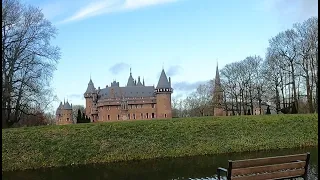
column 48, row 146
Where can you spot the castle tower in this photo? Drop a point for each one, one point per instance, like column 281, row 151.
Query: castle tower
column 64, row 114
column 163, row 95
column 218, row 99
column 89, row 96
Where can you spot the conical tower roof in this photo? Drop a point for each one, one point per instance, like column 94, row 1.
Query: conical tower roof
column 163, row 81
column 90, row 88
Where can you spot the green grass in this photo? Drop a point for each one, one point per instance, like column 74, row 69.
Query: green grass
column 48, row 146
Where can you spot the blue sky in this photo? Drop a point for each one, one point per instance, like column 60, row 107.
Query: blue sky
column 105, row 38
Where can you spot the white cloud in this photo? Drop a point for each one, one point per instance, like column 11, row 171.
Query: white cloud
column 294, row 10
column 108, row 6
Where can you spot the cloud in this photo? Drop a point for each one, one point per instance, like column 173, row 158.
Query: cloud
column 75, row 96
column 186, row 86
column 174, row 70
column 117, row 68
column 295, row 10
column 109, row 6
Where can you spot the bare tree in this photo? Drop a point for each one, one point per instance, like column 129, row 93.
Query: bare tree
column 307, row 47
column 28, row 60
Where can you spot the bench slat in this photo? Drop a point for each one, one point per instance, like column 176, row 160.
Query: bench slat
column 275, row 175
column 268, row 168
column 268, row 161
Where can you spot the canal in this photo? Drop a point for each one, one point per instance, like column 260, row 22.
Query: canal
column 192, row 168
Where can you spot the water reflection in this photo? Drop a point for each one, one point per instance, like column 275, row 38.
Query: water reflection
column 195, row 168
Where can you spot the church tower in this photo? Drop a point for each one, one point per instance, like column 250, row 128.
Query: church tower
column 163, row 94
column 218, row 96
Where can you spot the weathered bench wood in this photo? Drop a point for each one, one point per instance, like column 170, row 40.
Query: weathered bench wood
column 280, row 167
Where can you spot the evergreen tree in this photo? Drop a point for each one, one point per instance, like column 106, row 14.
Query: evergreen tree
column 79, row 117
column 87, row 119
column 83, row 118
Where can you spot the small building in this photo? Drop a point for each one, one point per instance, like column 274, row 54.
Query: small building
column 64, row 113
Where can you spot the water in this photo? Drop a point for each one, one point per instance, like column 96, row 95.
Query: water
column 192, row 168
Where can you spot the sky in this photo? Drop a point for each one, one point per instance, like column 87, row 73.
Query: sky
column 103, row 39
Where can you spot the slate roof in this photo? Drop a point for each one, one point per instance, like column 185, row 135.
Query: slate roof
column 67, row 106
column 163, row 81
column 63, row 106
column 129, row 91
column 217, row 78
column 90, row 88
column 59, row 108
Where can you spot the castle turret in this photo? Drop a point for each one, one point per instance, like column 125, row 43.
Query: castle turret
column 88, row 95
column 163, row 94
column 218, row 100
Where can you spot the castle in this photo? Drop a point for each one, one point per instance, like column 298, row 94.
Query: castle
column 64, row 113
column 133, row 101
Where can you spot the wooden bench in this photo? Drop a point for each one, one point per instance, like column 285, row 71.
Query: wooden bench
column 280, row 167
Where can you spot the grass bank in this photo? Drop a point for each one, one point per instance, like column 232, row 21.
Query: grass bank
column 48, row 146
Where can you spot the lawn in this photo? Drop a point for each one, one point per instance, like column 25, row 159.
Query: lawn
column 48, row 146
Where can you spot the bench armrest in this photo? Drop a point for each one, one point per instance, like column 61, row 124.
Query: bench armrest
column 219, row 170
column 222, row 169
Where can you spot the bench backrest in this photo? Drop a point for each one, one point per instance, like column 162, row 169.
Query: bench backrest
column 279, row 167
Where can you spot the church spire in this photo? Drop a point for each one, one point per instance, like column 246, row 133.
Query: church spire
column 217, row 78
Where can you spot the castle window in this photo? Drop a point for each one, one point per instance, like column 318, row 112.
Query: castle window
column 134, row 116
column 147, row 115
column 136, row 106
column 118, row 118
column 128, row 116
column 152, row 105
column 165, row 115
column 152, row 115
column 141, row 106
column 141, row 115
column 67, row 119
column 108, row 117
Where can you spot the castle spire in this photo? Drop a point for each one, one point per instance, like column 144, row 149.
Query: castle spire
column 139, row 82
column 130, row 80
